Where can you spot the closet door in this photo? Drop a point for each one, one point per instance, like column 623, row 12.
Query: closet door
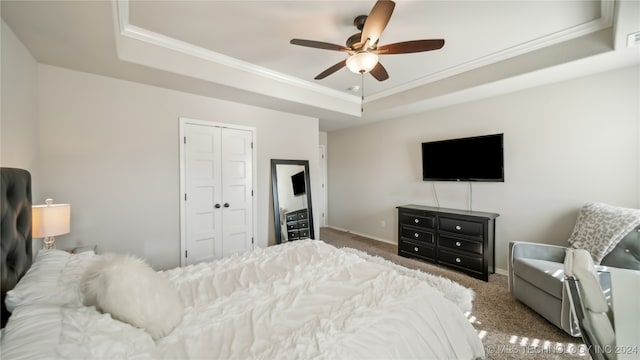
column 203, row 193
column 237, row 175
column 217, row 181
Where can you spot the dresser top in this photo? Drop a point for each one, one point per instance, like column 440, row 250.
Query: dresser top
column 450, row 211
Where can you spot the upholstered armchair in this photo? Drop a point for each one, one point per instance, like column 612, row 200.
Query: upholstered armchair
column 536, row 275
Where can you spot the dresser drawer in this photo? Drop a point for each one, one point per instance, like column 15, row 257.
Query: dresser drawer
column 467, row 262
column 292, row 234
column 425, row 251
column 463, row 227
column 417, row 235
column 292, row 226
column 303, row 215
column 303, row 224
column 292, row 217
column 416, row 219
column 460, row 244
column 303, row 233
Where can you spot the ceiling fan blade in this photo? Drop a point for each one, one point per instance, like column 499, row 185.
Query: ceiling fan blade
column 318, row 45
column 379, row 72
column 413, row 46
column 331, row 70
column 376, row 22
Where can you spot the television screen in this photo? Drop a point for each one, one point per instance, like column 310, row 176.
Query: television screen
column 477, row 158
column 298, row 183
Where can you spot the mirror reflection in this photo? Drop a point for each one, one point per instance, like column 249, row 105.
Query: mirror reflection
column 291, row 200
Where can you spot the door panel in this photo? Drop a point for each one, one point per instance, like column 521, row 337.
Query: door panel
column 237, row 178
column 203, row 191
column 236, row 242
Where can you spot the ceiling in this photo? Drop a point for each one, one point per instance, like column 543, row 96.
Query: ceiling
column 240, row 51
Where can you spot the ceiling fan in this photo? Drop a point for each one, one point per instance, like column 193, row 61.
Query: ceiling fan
column 363, row 47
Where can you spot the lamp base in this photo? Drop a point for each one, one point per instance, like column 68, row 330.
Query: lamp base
column 49, row 243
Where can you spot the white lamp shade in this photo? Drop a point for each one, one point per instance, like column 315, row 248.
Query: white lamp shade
column 362, row 62
column 50, row 220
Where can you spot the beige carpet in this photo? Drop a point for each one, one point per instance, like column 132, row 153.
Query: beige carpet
column 508, row 329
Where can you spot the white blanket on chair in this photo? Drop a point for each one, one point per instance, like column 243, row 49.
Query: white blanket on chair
column 600, row 227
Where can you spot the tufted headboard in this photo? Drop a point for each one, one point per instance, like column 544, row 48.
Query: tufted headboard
column 626, row 254
column 15, row 229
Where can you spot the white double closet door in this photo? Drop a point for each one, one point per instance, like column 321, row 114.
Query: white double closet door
column 217, row 190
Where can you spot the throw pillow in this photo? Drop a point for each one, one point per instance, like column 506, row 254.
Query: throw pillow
column 132, row 292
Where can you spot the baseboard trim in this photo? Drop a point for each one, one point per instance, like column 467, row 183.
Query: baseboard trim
column 362, row 234
column 499, row 271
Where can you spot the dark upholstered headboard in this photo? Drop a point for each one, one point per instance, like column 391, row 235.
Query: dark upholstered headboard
column 626, row 254
column 15, row 229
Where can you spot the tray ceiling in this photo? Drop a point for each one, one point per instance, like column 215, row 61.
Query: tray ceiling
column 240, row 51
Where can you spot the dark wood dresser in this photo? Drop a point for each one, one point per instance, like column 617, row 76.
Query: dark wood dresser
column 459, row 239
column 297, row 224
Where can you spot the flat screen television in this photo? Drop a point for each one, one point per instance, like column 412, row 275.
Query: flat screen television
column 478, row 158
column 298, row 183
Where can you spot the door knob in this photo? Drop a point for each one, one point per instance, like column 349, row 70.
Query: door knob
column 217, row 206
column 226, row 204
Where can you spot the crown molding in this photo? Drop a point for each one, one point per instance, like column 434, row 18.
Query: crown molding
column 126, row 29
column 604, row 21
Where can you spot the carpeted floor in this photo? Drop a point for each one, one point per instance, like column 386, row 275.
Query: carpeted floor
column 508, row 329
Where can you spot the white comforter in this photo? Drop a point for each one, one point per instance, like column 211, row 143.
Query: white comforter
column 300, row 300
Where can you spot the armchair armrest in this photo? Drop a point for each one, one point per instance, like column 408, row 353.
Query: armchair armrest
column 529, row 250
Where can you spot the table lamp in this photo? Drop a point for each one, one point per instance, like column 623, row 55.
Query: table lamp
column 50, row 220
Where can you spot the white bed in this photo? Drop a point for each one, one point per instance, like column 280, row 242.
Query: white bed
column 299, row 300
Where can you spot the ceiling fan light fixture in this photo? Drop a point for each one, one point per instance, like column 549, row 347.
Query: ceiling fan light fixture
column 363, row 47
column 362, row 62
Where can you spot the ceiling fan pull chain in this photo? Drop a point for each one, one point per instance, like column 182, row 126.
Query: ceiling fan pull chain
column 362, row 92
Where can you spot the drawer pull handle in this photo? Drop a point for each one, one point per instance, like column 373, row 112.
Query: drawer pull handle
column 458, row 227
column 416, row 235
column 415, row 249
column 458, row 243
column 417, row 221
column 458, row 260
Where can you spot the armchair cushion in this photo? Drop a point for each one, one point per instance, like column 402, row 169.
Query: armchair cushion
column 545, row 275
column 528, row 250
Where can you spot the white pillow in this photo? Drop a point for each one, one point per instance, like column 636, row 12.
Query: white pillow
column 69, row 332
column 53, row 279
column 132, row 292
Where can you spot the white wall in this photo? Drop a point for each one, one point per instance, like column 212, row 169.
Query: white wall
column 19, row 122
column 110, row 149
column 565, row 144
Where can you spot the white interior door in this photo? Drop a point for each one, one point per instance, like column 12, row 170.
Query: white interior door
column 203, row 190
column 217, row 212
column 237, row 189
